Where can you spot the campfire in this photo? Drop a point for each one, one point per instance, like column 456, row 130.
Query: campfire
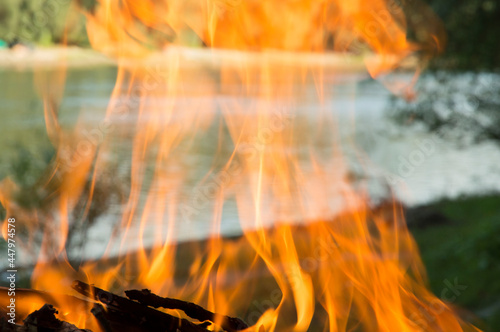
column 311, row 251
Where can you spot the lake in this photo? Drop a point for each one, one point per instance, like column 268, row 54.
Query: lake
column 379, row 156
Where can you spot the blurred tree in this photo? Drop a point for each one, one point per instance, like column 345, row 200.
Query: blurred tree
column 472, row 27
column 42, row 22
column 462, row 107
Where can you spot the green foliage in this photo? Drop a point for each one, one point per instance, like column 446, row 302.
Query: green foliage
column 472, row 27
column 42, row 22
column 27, row 170
column 467, row 248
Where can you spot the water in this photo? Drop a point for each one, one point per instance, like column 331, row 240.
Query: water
column 417, row 166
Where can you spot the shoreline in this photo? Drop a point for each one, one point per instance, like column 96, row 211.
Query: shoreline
column 76, row 57
column 54, row 57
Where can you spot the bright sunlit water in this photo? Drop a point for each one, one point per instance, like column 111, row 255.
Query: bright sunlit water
column 379, row 152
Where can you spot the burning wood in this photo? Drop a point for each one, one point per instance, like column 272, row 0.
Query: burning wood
column 44, row 320
column 117, row 313
column 145, row 297
column 130, row 313
column 156, row 320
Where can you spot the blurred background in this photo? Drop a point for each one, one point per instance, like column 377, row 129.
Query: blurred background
column 451, row 196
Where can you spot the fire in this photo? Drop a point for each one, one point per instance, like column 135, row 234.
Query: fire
column 314, row 254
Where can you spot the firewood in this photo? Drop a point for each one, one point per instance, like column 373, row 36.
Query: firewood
column 110, row 319
column 45, row 320
column 5, row 326
column 230, row 324
column 124, row 310
column 115, row 313
column 41, row 320
column 100, row 314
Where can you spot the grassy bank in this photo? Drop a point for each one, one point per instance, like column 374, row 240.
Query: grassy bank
column 459, row 240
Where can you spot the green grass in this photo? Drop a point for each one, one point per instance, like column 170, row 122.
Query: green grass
column 466, row 247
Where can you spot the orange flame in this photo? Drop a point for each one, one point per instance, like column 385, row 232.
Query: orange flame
column 314, row 255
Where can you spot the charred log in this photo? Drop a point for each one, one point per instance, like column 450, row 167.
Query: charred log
column 42, row 320
column 230, row 324
column 121, row 309
column 116, row 313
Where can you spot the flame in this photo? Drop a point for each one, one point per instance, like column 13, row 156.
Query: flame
column 314, row 255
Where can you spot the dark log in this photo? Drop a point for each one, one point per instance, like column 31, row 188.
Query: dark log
column 126, row 311
column 41, row 320
column 111, row 318
column 5, row 326
column 100, row 314
column 194, row 311
column 113, row 313
column 44, row 320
